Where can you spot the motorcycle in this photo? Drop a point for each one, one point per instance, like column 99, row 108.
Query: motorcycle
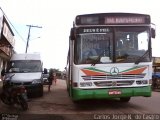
column 14, row 94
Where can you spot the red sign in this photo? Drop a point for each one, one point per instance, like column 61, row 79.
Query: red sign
column 114, row 92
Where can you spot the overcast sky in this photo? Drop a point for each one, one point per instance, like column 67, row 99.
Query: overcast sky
column 56, row 18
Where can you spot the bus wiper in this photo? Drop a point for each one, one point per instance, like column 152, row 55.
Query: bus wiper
column 9, row 77
column 141, row 57
column 96, row 61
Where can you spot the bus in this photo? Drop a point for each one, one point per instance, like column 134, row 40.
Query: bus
column 110, row 56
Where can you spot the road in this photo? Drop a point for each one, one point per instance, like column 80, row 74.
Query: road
column 57, row 102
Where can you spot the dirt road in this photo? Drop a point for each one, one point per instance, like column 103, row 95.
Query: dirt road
column 56, row 104
column 53, row 105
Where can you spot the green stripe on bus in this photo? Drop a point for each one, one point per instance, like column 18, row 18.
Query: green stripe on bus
column 80, row 94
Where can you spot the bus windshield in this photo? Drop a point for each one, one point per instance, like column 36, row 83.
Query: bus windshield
column 124, row 45
column 131, row 44
column 92, row 46
column 22, row 66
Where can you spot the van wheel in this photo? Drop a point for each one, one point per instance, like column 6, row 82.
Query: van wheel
column 40, row 94
column 125, row 99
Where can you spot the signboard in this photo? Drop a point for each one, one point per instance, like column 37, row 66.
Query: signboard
column 124, row 20
column 1, row 22
column 113, row 19
column 94, row 30
column 7, row 34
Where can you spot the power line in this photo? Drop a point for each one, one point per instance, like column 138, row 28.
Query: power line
column 13, row 26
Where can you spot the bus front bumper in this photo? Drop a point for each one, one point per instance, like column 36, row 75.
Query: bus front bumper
column 80, row 94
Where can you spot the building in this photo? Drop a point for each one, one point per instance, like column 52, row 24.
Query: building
column 7, row 41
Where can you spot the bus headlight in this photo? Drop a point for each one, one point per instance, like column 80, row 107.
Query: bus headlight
column 145, row 81
column 85, row 84
column 141, row 82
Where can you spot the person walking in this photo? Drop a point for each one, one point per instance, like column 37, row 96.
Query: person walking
column 55, row 78
column 2, row 74
column 50, row 79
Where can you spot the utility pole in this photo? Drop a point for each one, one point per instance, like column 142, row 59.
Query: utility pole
column 30, row 26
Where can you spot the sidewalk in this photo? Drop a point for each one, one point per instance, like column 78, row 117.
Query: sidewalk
column 156, row 90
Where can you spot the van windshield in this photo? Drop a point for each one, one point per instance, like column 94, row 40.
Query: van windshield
column 21, row 66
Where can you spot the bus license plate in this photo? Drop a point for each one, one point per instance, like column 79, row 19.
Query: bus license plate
column 114, row 92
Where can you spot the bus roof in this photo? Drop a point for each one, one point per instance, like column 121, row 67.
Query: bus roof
column 26, row 56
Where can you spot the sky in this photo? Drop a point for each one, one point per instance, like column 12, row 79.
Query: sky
column 56, row 18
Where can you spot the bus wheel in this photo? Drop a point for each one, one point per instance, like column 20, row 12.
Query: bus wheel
column 125, row 99
column 77, row 102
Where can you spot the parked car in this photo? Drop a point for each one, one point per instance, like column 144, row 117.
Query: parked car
column 27, row 70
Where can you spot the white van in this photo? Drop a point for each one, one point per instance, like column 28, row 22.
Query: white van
column 26, row 69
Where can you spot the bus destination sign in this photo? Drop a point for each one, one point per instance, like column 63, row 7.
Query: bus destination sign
column 124, row 20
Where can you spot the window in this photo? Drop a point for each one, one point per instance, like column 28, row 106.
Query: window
column 131, row 43
column 90, row 47
column 21, row 66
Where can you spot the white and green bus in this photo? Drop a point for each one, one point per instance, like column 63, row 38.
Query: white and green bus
column 110, row 56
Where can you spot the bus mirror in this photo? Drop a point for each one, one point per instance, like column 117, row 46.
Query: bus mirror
column 72, row 36
column 153, row 33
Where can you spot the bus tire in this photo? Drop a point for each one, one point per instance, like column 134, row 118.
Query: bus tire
column 76, row 102
column 125, row 99
column 39, row 92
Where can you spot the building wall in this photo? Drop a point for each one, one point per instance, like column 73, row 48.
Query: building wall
column 6, row 41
